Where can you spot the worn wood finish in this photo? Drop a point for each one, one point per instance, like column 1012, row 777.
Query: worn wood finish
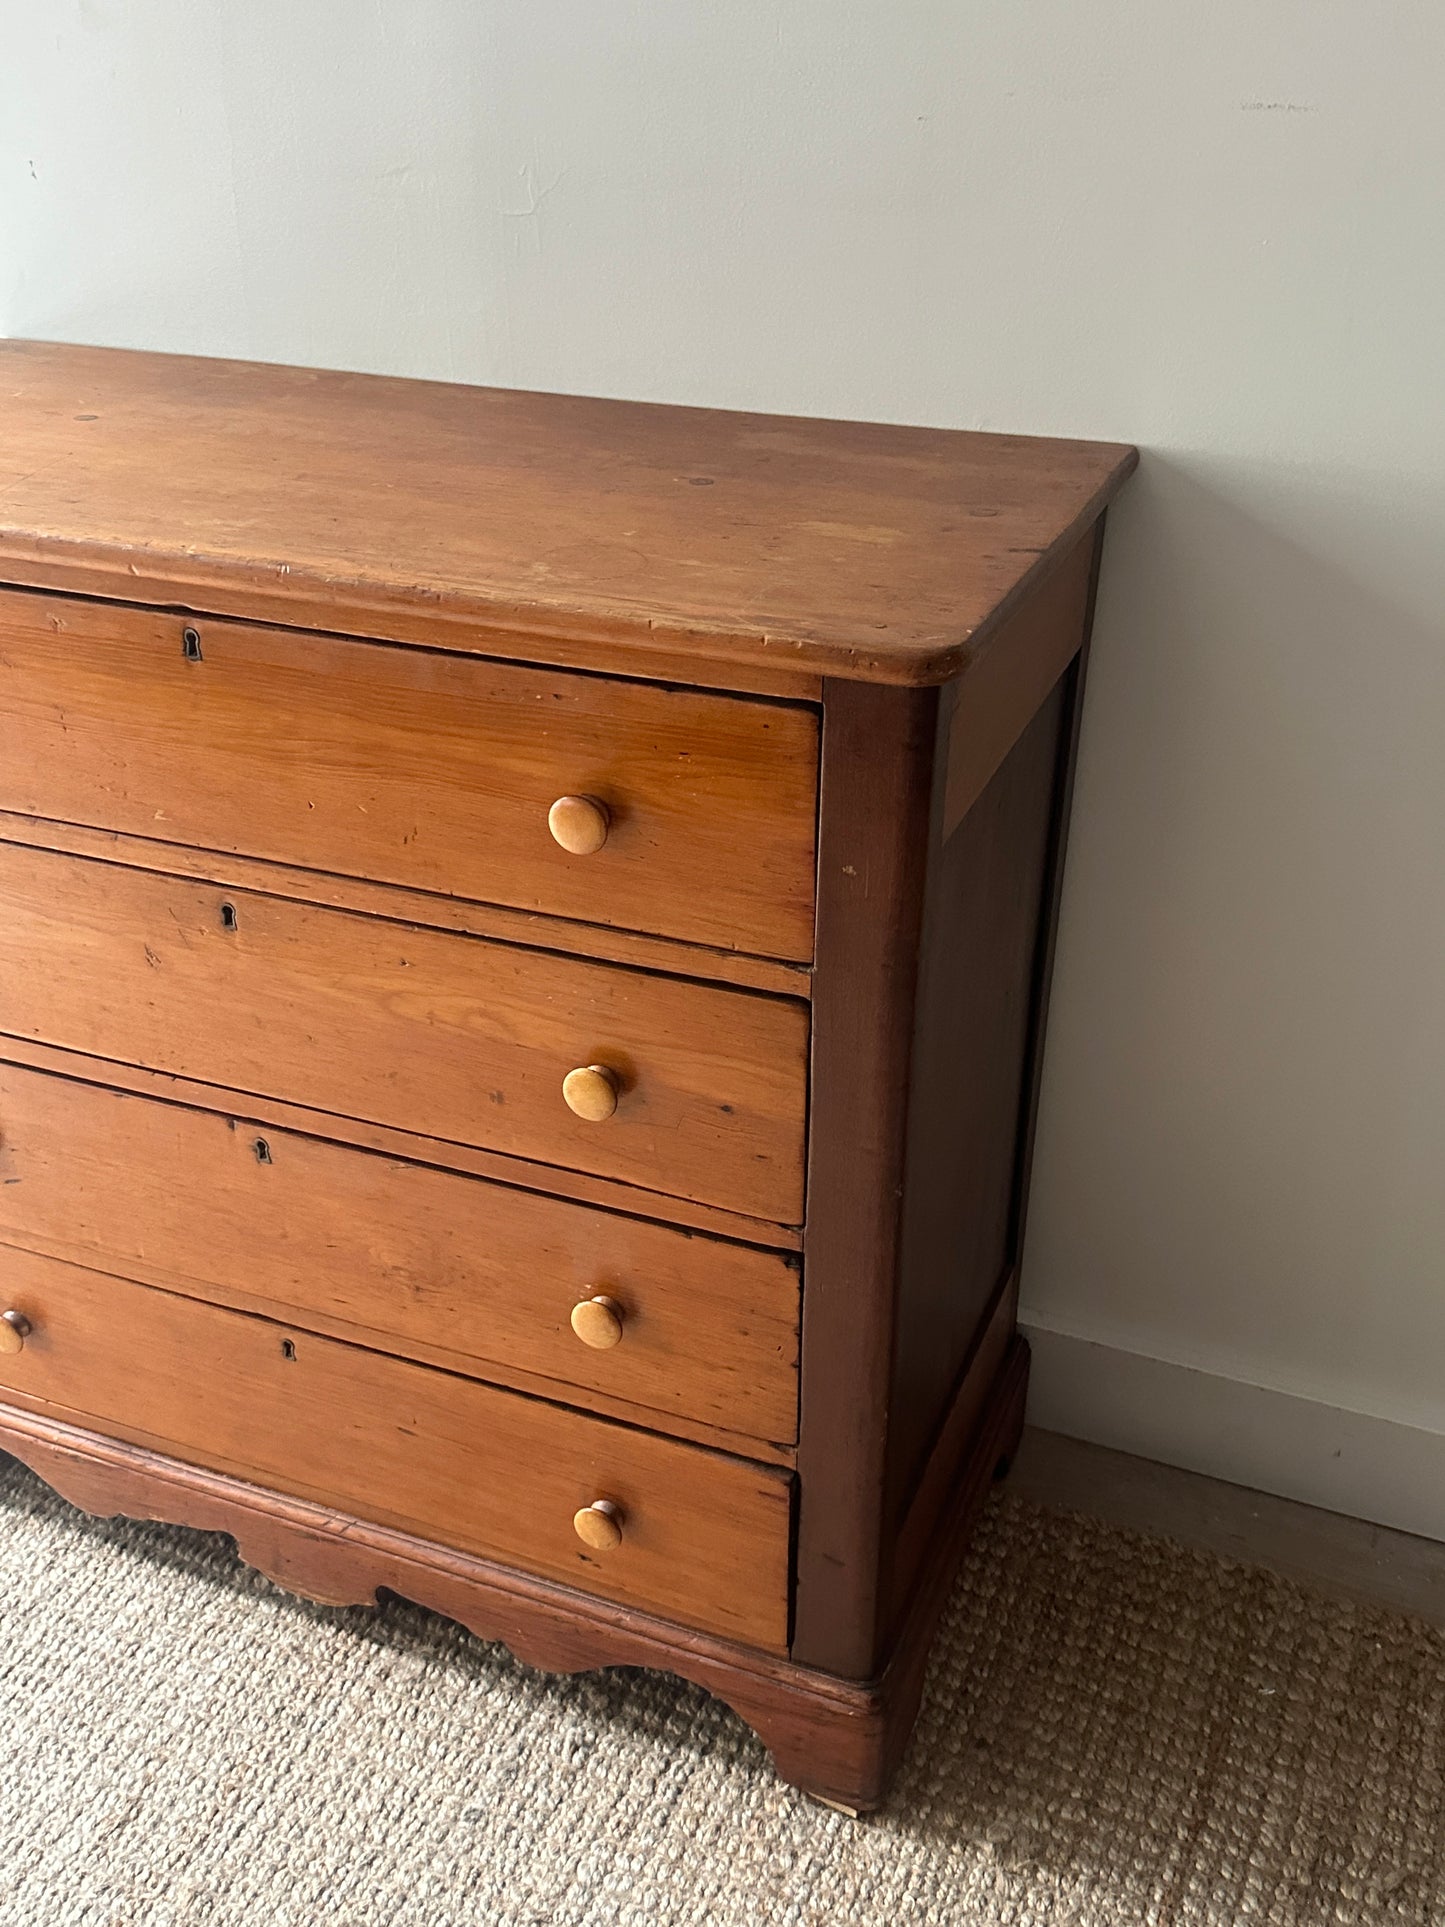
column 268, row 1113
column 446, row 1036
column 991, row 918
column 415, row 906
column 840, row 1739
column 927, row 1511
column 1010, row 676
column 406, row 766
column 936, row 930
column 551, row 527
column 988, row 1458
column 484, row 1002
column 388, row 1253
column 423, row 1451
column 878, row 747
column 983, row 926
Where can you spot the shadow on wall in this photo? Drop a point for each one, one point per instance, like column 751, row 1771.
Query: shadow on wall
column 1244, row 1105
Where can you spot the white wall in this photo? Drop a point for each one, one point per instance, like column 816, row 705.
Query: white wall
column 1216, row 231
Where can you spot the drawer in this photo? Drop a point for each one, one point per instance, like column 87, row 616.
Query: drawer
column 414, row 767
column 453, row 1269
column 704, row 1536
column 448, row 1036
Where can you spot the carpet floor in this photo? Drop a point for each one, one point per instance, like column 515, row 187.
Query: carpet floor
column 1117, row 1731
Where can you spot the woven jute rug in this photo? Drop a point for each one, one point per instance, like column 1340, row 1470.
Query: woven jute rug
column 1117, row 1730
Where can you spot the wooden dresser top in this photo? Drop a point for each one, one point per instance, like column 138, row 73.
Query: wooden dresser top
column 661, row 538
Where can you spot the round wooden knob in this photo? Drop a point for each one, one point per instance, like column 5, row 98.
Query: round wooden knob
column 591, row 1092
column 15, row 1329
column 579, row 823
column 599, row 1525
column 598, row 1323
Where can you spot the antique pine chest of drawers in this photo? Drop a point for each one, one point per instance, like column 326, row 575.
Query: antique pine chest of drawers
column 525, row 928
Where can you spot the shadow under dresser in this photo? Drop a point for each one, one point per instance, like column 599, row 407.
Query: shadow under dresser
column 525, row 930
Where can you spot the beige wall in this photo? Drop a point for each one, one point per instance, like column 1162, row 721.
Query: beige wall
column 1217, row 231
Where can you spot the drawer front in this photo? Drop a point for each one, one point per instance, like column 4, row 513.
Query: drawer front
column 704, row 1535
column 449, row 1036
column 412, row 767
column 454, row 1269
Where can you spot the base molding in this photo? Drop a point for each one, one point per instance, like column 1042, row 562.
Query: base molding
column 838, row 1739
column 1251, row 1435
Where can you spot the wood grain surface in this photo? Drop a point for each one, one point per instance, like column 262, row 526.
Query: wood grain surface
column 527, row 927
column 436, row 1153
column 450, row 1269
column 412, row 767
column 878, row 781
column 1010, row 677
column 603, row 534
column 934, row 934
column 983, row 925
column 705, row 1536
column 447, row 1036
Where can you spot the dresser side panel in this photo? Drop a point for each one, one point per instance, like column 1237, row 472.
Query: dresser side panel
column 975, row 995
column 986, row 957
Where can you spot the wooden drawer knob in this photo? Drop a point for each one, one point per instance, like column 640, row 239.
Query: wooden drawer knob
column 579, row 823
column 598, row 1323
column 15, row 1329
column 599, row 1525
column 591, row 1092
